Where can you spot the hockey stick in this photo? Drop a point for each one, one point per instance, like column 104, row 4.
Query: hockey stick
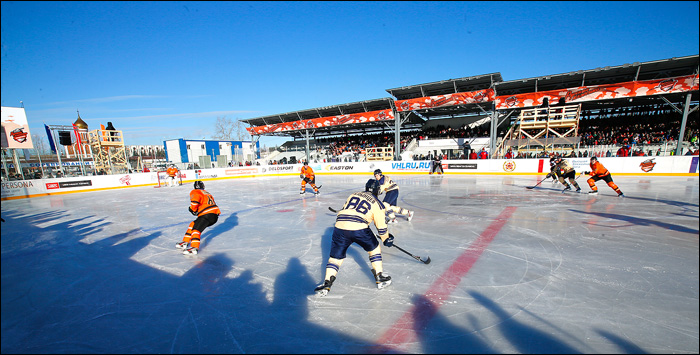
column 332, row 209
column 532, row 187
column 426, row 261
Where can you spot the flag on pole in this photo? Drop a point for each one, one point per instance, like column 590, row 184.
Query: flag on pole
column 51, row 143
column 77, row 137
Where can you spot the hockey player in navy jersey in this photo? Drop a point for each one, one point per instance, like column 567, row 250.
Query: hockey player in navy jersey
column 394, row 210
column 391, row 191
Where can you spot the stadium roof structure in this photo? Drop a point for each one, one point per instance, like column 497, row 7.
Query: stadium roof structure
column 414, row 119
column 659, row 69
column 329, row 111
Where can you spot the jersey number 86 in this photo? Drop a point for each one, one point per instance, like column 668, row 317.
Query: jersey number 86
column 358, row 205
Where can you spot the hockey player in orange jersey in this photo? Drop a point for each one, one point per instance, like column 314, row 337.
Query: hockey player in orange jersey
column 203, row 206
column 307, row 176
column 172, row 173
column 599, row 172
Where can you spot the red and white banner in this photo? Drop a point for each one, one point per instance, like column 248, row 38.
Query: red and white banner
column 353, row 118
column 572, row 95
column 459, row 98
column 601, row 92
column 15, row 128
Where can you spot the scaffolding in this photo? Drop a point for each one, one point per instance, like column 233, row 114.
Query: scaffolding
column 543, row 128
column 108, row 150
column 379, row 154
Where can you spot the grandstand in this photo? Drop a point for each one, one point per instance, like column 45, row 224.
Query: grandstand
column 529, row 116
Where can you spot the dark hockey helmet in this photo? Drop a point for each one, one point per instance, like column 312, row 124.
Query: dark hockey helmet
column 306, row 163
column 199, row 185
column 593, row 158
column 378, row 171
column 372, row 186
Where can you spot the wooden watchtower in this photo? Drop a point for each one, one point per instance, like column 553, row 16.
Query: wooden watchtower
column 545, row 127
column 108, row 150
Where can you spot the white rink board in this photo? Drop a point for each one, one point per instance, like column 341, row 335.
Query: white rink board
column 634, row 166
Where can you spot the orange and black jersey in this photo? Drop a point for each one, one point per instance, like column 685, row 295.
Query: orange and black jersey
column 307, row 172
column 597, row 169
column 171, row 171
column 202, row 202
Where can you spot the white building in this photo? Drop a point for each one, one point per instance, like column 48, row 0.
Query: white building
column 210, row 153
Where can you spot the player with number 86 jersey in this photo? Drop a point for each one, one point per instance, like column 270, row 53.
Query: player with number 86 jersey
column 352, row 225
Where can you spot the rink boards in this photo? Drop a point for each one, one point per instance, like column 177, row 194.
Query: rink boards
column 628, row 166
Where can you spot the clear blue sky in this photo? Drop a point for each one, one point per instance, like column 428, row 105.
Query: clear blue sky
column 167, row 70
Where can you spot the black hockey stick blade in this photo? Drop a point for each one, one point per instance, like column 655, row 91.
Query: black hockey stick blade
column 332, row 209
column 532, row 187
column 426, row 261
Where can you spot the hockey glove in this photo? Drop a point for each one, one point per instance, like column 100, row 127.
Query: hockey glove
column 389, row 241
column 301, row 176
column 194, row 213
column 586, row 172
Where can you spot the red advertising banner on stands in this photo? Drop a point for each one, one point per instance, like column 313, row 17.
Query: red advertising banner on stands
column 460, row 98
column 353, row 118
column 601, row 92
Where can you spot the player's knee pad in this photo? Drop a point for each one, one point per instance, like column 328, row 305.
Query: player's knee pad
column 612, row 185
column 375, row 251
column 590, row 182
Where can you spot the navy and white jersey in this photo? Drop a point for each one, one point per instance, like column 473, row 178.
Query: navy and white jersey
column 359, row 211
column 565, row 166
column 385, row 184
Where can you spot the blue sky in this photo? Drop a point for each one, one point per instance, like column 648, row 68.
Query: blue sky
column 167, row 70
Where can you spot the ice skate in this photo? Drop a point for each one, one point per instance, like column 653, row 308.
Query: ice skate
column 410, row 216
column 567, row 188
column 323, row 289
column 181, row 245
column 190, row 251
column 578, row 189
column 620, row 195
column 595, row 192
column 381, row 279
column 301, row 192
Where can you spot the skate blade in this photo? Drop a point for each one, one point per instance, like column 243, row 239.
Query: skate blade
column 384, row 284
column 316, row 297
column 322, row 293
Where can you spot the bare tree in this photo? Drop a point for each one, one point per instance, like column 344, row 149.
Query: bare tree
column 228, row 129
column 39, row 143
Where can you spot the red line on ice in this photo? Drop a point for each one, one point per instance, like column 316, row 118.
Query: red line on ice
column 402, row 331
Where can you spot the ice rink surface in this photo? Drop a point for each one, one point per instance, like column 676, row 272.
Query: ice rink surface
column 514, row 270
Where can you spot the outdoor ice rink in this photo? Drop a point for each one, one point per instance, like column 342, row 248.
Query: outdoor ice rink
column 514, row 270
